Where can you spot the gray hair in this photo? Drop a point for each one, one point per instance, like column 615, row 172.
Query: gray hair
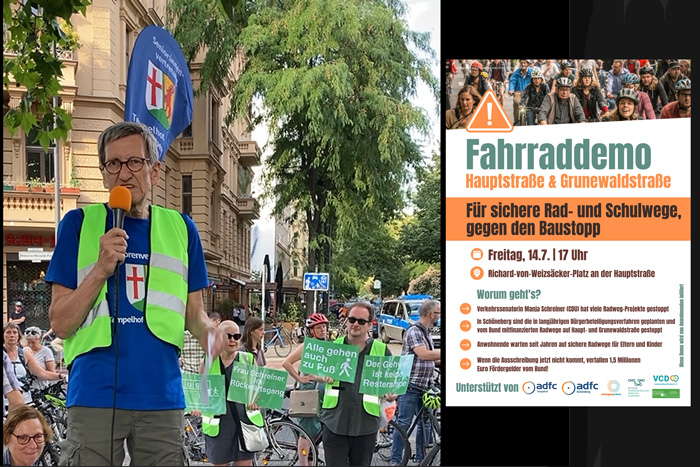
column 428, row 307
column 121, row 130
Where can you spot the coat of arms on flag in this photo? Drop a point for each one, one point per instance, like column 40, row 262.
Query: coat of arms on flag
column 160, row 95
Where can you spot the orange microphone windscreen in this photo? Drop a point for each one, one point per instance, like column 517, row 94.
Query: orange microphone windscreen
column 120, row 198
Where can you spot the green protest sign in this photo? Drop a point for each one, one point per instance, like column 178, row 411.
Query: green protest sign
column 253, row 383
column 321, row 358
column 384, row 375
column 192, row 386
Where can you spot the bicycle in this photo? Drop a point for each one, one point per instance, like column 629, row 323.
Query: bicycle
column 431, row 432
column 51, row 402
column 522, row 119
column 433, row 456
column 194, row 440
column 283, row 435
column 499, row 90
column 282, row 341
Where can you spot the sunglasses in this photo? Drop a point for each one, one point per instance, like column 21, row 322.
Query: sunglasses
column 353, row 320
column 32, row 333
column 235, row 337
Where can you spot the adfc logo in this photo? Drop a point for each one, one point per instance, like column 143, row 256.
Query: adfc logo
column 160, row 95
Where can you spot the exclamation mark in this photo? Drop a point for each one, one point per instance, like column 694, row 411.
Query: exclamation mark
column 489, row 106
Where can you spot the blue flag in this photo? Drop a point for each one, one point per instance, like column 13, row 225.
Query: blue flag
column 159, row 88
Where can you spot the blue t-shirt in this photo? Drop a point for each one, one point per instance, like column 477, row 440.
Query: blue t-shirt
column 149, row 375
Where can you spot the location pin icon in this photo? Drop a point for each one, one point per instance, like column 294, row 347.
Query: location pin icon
column 477, row 273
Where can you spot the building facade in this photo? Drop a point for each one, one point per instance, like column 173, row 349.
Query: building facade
column 207, row 169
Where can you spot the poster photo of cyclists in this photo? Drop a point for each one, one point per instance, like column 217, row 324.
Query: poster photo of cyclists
column 556, row 91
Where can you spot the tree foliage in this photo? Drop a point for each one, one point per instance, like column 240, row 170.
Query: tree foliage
column 427, row 283
column 334, row 80
column 420, row 236
column 375, row 254
column 32, row 29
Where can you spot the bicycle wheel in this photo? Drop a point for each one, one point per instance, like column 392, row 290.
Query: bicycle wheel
column 50, row 455
column 283, row 346
column 385, row 441
column 284, row 436
column 433, row 456
column 194, row 440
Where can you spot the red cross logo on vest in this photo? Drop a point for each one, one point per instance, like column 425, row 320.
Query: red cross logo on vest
column 135, row 282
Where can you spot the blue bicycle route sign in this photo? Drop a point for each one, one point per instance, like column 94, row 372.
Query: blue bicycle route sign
column 316, row 281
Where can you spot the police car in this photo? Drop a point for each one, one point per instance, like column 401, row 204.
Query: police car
column 398, row 314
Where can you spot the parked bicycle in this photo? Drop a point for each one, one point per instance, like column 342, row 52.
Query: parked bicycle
column 281, row 340
column 194, row 440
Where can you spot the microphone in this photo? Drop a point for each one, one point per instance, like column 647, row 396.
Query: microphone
column 120, row 203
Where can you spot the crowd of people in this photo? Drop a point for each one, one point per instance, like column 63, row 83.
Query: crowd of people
column 127, row 352
column 573, row 91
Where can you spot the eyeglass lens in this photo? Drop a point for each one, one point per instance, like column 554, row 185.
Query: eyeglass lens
column 115, row 166
column 24, row 439
column 354, row 320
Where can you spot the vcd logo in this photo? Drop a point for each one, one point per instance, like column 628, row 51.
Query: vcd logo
column 529, row 387
column 570, row 387
column 666, row 378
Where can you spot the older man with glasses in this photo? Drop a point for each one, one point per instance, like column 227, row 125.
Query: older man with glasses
column 123, row 339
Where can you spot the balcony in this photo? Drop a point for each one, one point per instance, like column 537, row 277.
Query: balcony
column 34, row 209
column 248, row 208
column 250, row 153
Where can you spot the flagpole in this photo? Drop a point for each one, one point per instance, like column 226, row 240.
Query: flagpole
column 56, row 168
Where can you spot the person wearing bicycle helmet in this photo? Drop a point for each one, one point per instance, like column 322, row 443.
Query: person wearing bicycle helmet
column 419, row 343
column 644, row 109
column 567, row 71
column 589, row 95
column 534, row 94
column 467, row 101
column 626, row 103
column 561, row 106
column 670, row 78
column 317, row 327
column 517, row 83
column 649, row 84
column 680, row 108
column 478, row 79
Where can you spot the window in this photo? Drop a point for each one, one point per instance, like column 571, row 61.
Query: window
column 39, row 162
column 187, row 195
column 214, row 121
column 187, row 132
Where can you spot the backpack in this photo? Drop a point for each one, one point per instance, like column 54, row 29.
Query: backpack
column 23, row 380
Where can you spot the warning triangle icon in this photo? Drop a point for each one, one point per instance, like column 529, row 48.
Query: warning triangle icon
column 489, row 116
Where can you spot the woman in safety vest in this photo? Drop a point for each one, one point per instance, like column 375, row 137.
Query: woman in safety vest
column 317, row 324
column 221, row 432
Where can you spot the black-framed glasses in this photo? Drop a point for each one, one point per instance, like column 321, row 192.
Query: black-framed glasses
column 24, row 439
column 32, row 332
column 235, row 337
column 115, row 166
column 353, row 320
